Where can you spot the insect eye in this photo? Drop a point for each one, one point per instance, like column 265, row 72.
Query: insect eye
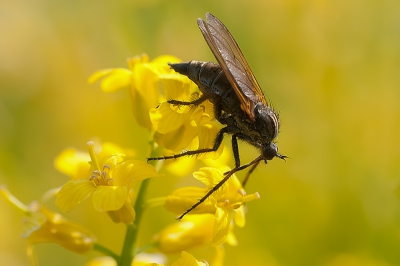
column 270, row 151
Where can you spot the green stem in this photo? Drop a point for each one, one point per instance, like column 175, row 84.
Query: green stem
column 127, row 250
column 132, row 230
column 105, row 251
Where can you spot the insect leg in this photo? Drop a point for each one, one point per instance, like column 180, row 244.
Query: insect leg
column 249, row 173
column 235, row 150
column 217, row 143
column 235, row 147
column 195, row 102
column 217, row 186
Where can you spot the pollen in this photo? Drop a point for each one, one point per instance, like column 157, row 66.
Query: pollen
column 95, row 178
column 242, row 192
column 101, row 178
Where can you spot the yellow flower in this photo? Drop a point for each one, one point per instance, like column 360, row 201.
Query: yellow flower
column 226, row 204
column 181, row 128
column 184, row 166
column 75, row 163
column 188, row 260
column 193, row 230
column 141, row 259
column 109, row 186
column 44, row 226
column 101, row 261
column 177, row 127
column 143, row 79
column 185, row 260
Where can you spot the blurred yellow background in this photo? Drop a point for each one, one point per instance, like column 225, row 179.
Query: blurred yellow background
column 330, row 68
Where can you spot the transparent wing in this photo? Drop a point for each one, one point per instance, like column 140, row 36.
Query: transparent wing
column 232, row 62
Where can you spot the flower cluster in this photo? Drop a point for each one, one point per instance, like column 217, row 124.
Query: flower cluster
column 109, row 174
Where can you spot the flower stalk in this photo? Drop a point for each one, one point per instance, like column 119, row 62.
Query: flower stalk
column 132, row 230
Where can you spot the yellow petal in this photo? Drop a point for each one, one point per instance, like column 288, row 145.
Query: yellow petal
column 99, row 74
column 177, row 140
column 146, row 82
column 109, row 198
column 137, row 60
column 144, row 93
column 108, row 148
column 239, row 216
column 231, row 239
column 73, row 193
column 208, row 176
column 160, row 64
column 35, row 221
column 187, row 260
column 192, row 231
column 176, row 86
column 133, row 171
column 181, row 167
column 113, row 80
column 166, row 120
column 102, row 261
column 218, row 259
column 221, row 163
column 207, row 134
column 124, row 215
column 73, row 163
column 63, row 232
column 221, row 226
column 118, row 79
column 184, row 198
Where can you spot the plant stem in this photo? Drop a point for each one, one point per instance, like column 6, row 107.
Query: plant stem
column 106, row 251
column 132, row 230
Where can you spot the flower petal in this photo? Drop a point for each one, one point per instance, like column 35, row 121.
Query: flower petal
column 101, row 261
column 208, row 176
column 176, row 86
column 109, row 198
column 114, row 79
column 192, row 231
column 73, row 163
column 124, row 215
column 99, row 74
column 181, row 167
column 221, row 226
column 184, row 198
column 63, row 232
column 179, row 139
column 144, row 92
column 108, row 148
column 207, row 134
column 160, row 64
column 166, row 120
column 133, row 171
column 187, row 260
column 35, row 221
column 231, row 239
column 239, row 216
column 73, row 193
column 119, row 78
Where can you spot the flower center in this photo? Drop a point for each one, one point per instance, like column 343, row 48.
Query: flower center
column 99, row 177
column 102, row 178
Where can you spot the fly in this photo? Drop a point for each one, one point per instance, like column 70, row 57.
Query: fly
column 239, row 103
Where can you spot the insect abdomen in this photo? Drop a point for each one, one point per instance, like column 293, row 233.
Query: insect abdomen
column 205, row 74
column 210, row 79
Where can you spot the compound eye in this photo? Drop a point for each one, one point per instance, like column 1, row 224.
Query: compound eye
column 270, row 151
